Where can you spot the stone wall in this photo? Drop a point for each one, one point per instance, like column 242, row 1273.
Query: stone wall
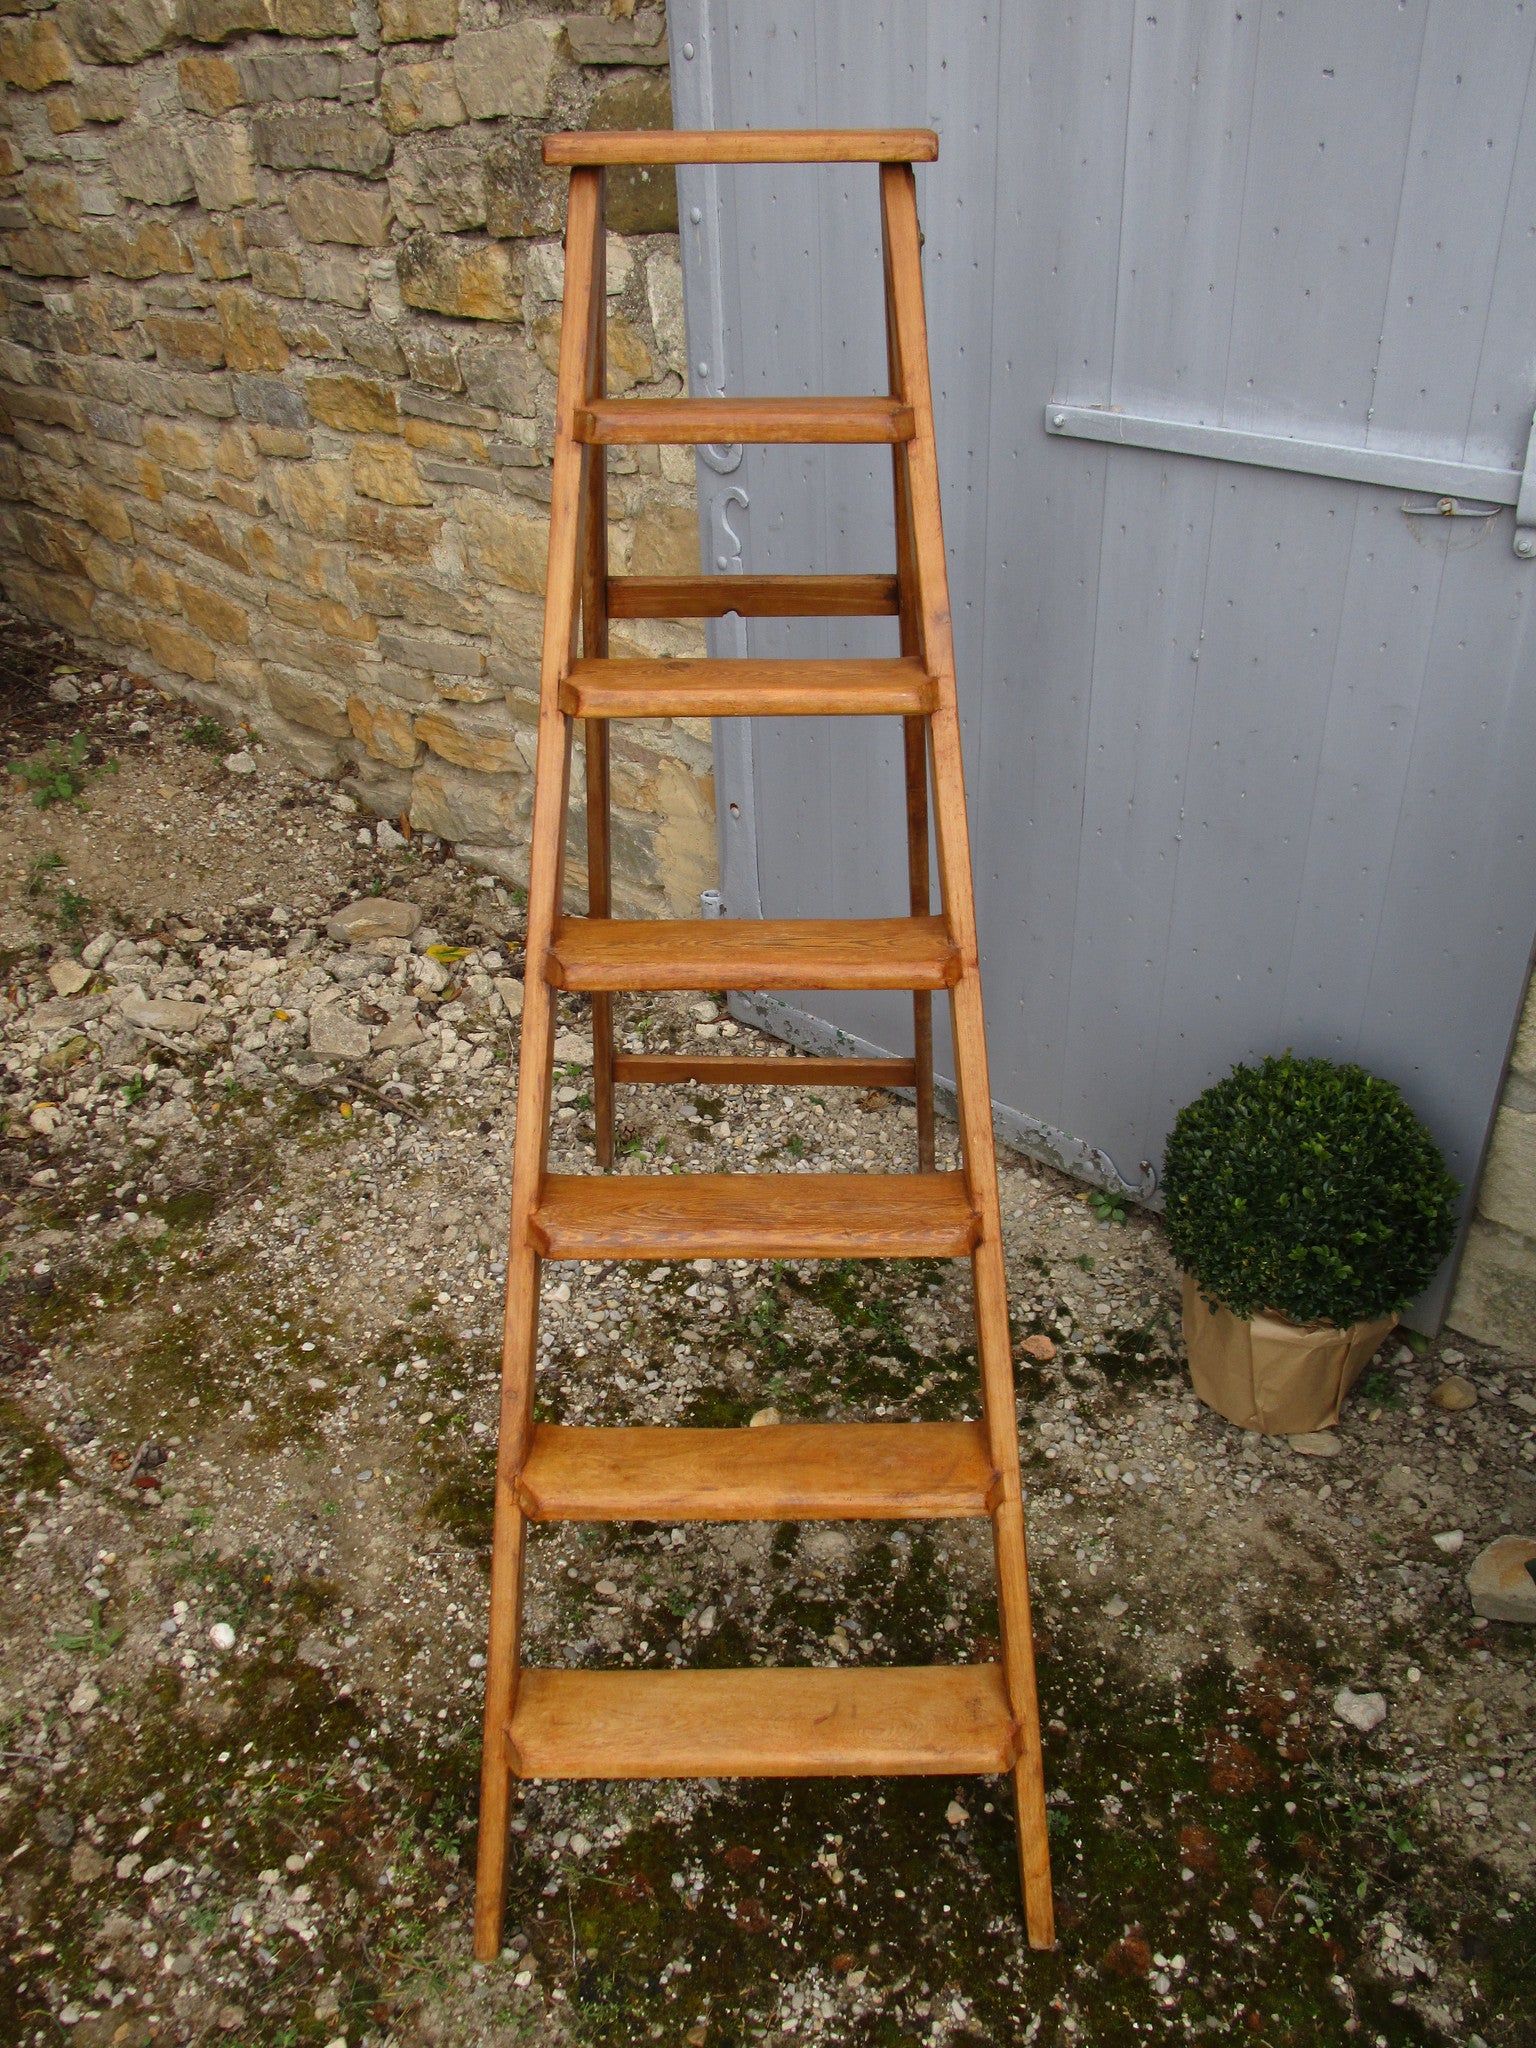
column 279, row 315
column 1495, row 1298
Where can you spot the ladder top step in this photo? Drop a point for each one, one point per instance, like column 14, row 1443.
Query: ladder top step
column 740, row 952
column 748, row 688
column 743, row 146
column 687, row 422
column 795, row 1471
column 885, row 1722
column 755, row 1216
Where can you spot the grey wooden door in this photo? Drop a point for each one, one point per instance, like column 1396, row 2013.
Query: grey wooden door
column 1225, row 304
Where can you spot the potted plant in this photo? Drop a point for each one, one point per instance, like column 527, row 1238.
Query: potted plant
column 1307, row 1205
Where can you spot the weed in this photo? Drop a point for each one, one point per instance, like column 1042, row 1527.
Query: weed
column 70, row 912
column 95, row 1637
column 207, row 733
column 134, row 1089
column 42, row 868
column 59, row 775
column 1109, row 1208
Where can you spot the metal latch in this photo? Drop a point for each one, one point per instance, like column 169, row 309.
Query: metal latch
column 1525, row 504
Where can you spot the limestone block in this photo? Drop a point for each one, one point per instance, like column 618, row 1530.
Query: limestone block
column 664, row 295
column 215, row 21
column 337, row 210
column 507, row 70
column 507, row 376
column 386, row 731
column 252, row 338
column 304, row 701
column 418, row 96
column 177, row 649
column 185, row 340
column 392, row 593
column 666, row 542
column 408, row 536
column 54, row 198
column 522, row 196
column 323, row 615
column 1495, row 1298
column 279, row 272
column 1508, row 1191
column 116, row 31
column 45, row 252
column 314, row 18
column 510, row 548
column 288, row 75
column 177, row 443
column 144, row 249
column 209, row 85
column 105, row 512
column 431, row 358
column 222, row 171
column 153, row 167
column 436, row 657
column 270, row 402
column 417, row 21
column 313, row 497
column 65, row 604
column 106, row 96
column 485, row 739
column 455, row 804
column 453, row 182
column 356, row 405
column 336, row 280
column 343, row 141
column 642, row 200
column 212, row 613
column 470, row 280
column 33, row 55
column 387, row 471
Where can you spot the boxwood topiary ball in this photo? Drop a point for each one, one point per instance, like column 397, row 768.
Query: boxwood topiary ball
column 1307, row 1188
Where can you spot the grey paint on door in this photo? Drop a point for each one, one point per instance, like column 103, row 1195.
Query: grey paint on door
column 1250, row 752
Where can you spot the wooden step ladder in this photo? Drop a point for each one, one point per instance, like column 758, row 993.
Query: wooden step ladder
column 757, row 1722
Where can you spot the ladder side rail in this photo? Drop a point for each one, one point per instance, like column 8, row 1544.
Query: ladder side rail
column 595, row 731
column 899, row 223
column 530, row 1144
column 914, row 741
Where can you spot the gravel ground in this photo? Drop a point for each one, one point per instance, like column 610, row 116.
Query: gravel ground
column 252, row 1207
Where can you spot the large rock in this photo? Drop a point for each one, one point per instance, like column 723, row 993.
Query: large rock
column 1502, row 1581
column 373, row 917
column 221, row 168
column 335, row 1036
column 33, row 55
column 149, row 1014
column 506, row 70
column 417, row 21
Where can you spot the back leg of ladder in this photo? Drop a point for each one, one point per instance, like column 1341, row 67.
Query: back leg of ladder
column 915, row 737
column 600, row 904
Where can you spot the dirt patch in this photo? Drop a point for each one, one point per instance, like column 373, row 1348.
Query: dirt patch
column 250, row 1310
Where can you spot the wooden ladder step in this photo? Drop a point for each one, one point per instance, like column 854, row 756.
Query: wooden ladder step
column 742, row 952
column 755, row 1216
column 685, row 422
column 748, row 688
column 752, row 597
column 742, row 146
column 763, row 1072
column 794, row 1471
column 763, row 1723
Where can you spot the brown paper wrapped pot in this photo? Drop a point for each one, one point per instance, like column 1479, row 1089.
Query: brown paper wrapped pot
column 1269, row 1374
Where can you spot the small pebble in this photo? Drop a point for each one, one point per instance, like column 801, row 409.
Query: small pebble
column 240, row 764
column 1450, row 1541
column 1115, row 1606
column 1039, row 1348
column 956, row 1814
column 222, row 1636
column 1315, row 1443
column 764, row 1418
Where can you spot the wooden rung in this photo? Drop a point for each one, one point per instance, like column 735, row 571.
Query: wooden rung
column 686, row 422
column 743, row 146
column 755, row 1216
column 741, row 952
column 752, row 597
column 796, row 1471
column 764, row 1723
column 710, row 1068
column 747, row 688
